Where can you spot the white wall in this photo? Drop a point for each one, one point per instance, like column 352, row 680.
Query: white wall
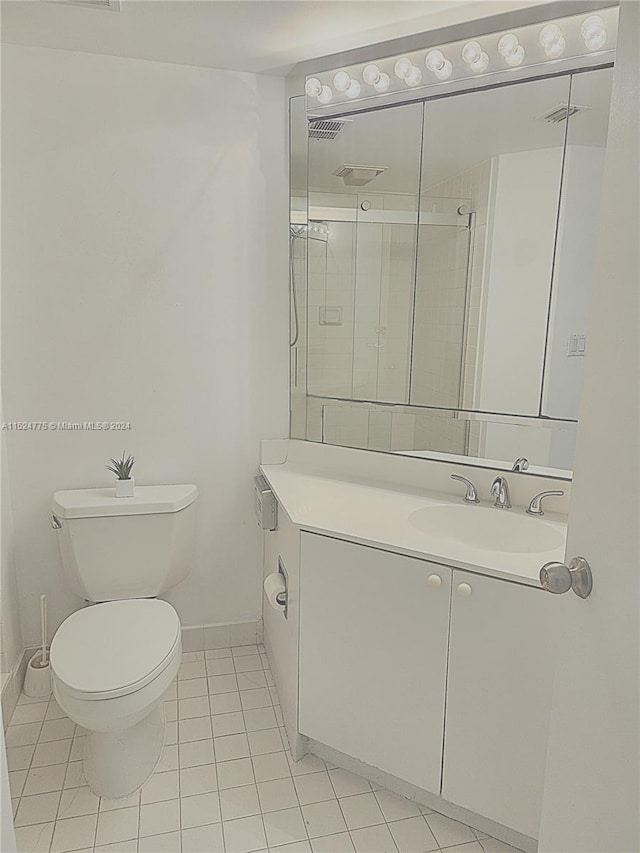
column 145, row 280
column 573, row 277
column 524, row 211
column 592, row 783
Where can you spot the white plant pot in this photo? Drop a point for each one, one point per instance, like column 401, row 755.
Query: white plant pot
column 125, row 488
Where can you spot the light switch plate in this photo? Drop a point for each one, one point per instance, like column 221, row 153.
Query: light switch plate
column 577, row 345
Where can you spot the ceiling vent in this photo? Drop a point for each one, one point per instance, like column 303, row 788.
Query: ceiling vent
column 358, row 176
column 326, row 128
column 561, row 113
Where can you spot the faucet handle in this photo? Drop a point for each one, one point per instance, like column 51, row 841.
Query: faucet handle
column 500, row 491
column 471, row 495
column 535, row 507
column 521, row 464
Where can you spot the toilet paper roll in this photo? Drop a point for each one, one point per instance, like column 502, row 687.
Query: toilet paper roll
column 273, row 586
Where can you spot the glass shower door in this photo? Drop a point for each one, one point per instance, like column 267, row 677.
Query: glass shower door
column 364, row 191
column 385, row 259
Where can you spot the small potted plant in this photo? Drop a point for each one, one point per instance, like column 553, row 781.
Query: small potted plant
column 125, row 484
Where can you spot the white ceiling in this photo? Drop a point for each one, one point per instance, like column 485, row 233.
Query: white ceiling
column 264, row 36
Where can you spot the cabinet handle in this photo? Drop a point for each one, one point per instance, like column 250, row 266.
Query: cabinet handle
column 464, row 590
column 434, row 581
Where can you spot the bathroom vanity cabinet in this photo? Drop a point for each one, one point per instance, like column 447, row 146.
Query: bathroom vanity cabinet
column 439, row 677
column 499, row 689
column 373, row 656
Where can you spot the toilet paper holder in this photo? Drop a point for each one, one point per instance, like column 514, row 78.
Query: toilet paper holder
column 283, row 597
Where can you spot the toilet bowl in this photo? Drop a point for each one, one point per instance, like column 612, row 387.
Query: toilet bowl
column 111, row 664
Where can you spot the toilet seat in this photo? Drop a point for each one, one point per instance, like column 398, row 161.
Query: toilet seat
column 116, row 648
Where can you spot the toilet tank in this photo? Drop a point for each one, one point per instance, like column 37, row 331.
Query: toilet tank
column 115, row 548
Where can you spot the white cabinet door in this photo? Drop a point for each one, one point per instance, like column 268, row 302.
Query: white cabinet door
column 498, row 699
column 373, row 653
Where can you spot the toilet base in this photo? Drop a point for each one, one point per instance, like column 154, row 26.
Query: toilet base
column 118, row 763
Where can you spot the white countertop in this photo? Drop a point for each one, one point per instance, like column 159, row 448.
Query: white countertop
column 378, row 515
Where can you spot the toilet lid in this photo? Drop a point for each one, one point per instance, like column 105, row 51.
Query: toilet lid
column 108, row 650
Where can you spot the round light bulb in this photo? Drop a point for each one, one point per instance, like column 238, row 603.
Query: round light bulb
column 595, row 42
column 341, row 81
column 549, row 35
column 325, row 95
column 556, row 49
column 414, row 77
column 508, row 45
column 471, row 52
column 371, row 74
column 353, row 89
column 445, row 72
column 591, row 26
column 313, row 87
column 515, row 58
column 480, row 64
column 402, row 67
column 434, row 60
column 383, row 83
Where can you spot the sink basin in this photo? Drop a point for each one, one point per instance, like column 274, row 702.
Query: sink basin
column 489, row 529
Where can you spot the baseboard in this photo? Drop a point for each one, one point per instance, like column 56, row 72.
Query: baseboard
column 432, row 801
column 197, row 638
column 12, row 683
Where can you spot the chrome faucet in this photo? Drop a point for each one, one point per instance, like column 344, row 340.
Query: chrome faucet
column 535, row 507
column 521, row 464
column 500, row 491
column 471, row 495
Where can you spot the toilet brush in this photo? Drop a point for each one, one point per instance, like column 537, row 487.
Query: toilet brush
column 37, row 680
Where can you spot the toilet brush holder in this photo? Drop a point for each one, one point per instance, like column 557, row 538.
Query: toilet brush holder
column 37, row 679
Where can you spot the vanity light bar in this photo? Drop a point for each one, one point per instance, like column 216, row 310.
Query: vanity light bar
column 590, row 38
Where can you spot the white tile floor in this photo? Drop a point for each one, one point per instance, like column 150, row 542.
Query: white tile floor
column 226, row 782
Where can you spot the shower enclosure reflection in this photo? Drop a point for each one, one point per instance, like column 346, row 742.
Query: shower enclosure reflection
column 441, row 270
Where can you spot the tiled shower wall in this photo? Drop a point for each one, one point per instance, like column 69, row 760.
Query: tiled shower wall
column 477, row 182
column 440, row 300
column 362, row 278
column 331, row 286
column 446, row 343
column 373, row 427
column 384, row 295
column 380, row 428
column 367, row 273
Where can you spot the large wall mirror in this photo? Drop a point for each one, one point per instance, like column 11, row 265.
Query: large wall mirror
column 441, row 271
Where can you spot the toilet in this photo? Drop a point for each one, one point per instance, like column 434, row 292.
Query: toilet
column 113, row 660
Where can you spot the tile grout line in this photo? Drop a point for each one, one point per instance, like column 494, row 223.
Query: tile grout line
column 28, row 769
column 263, row 815
column 215, row 768
column 345, row 819
column 304, row 823
column 177, row 771
column 250, row 756
column 34, row 768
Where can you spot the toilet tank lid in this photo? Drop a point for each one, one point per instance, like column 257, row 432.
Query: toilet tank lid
column 95, row 503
